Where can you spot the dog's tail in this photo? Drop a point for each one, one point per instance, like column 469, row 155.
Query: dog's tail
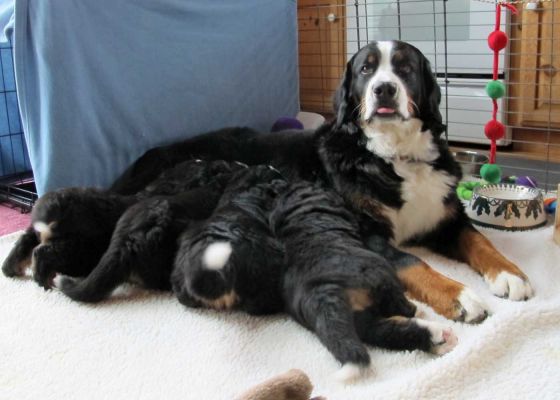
column 201, row 273
column 402, row 333
column 137, row 242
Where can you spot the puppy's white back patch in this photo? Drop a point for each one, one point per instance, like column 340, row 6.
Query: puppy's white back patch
column 44, row 230
column 217, row 255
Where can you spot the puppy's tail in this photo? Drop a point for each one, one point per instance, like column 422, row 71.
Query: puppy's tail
column 402, row 333
column 110, row 272
column 200, row 273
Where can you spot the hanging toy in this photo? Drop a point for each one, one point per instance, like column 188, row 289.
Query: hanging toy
column 495, row 89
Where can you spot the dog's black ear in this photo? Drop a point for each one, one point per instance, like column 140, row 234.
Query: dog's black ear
column 429, row 110
column 343, row 102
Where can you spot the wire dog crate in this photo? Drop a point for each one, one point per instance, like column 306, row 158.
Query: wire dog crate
column 16, row 179
column 453, row 36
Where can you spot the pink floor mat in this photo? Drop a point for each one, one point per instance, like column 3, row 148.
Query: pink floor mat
column 12, row 219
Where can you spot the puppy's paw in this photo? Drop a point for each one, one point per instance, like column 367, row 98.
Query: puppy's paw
column 470, row 308
column 351, row 372
column 442, row 337
column 14, row 266
column 510, row 286
column 59, row 281
column 42, row 267
column 19, row 258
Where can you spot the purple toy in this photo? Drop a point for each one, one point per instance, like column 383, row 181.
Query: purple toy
column 286, row 123
column 527, row 181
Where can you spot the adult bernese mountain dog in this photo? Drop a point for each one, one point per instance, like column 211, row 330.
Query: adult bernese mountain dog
column 382, row 153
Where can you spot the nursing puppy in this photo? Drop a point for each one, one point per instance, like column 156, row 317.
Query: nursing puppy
column 274, row 245
column 76, row 230
column 232, row 260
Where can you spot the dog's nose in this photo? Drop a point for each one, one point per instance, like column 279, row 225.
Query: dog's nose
column 385, row 89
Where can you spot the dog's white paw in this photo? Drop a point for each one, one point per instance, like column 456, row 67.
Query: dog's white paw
column 442, row 336
column 510, row 286
column 350, row 372
column 471, row 307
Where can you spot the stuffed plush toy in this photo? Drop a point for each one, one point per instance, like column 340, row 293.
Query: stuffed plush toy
column 292, row 385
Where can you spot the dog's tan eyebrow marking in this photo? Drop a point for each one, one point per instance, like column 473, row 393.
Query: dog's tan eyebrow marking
column 371, row 58
column 398, row 55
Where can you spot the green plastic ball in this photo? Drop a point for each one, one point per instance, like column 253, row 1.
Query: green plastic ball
column 491, row 173
column 495, row 89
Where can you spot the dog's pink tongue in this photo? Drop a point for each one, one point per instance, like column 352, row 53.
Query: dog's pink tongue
column 385, row 110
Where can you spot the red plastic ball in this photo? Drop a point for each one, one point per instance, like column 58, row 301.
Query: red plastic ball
column 494, row 130
column 497, row 40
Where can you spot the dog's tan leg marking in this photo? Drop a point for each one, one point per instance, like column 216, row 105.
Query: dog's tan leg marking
column 359, row 299
column 226, row 302
column 483, row 257
column 446, row 296
column 504, row 277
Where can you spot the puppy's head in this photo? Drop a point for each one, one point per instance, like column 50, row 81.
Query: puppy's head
column 388, row 81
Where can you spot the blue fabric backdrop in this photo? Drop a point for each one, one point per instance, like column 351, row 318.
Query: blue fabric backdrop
column 101, row 81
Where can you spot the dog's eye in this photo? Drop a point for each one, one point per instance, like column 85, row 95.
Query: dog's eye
column 405, row 69
column 366, row 70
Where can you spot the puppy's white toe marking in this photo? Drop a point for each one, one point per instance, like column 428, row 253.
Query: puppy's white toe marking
column 217, row 255
column 442, row 337
column 473, row 307
column 349, row 372
column 57, row 280
column 510, row 286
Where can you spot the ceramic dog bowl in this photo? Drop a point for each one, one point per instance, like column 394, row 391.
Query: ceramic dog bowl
column 470, row 161
column 507, row 207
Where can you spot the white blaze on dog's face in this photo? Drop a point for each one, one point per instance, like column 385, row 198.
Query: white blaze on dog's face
column 385, row 95
column 390, row 92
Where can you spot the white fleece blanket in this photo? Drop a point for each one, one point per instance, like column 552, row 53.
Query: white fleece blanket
column 148, row 346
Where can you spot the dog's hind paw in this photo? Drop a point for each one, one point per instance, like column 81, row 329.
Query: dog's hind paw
column 510, row 286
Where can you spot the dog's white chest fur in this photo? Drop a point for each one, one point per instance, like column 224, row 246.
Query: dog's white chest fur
column 423, row 189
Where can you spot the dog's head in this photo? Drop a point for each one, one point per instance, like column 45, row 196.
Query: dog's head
column 388, row 81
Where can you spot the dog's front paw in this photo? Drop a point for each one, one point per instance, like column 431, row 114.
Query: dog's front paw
column 510, row 286
column 470, row 308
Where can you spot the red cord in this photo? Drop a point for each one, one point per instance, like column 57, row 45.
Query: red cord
column 512, row 8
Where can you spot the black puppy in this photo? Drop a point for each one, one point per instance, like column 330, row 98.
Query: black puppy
column 232, row 260
column 328, row 280
column 143, row 245
column 338, row 288
column 72, row 228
